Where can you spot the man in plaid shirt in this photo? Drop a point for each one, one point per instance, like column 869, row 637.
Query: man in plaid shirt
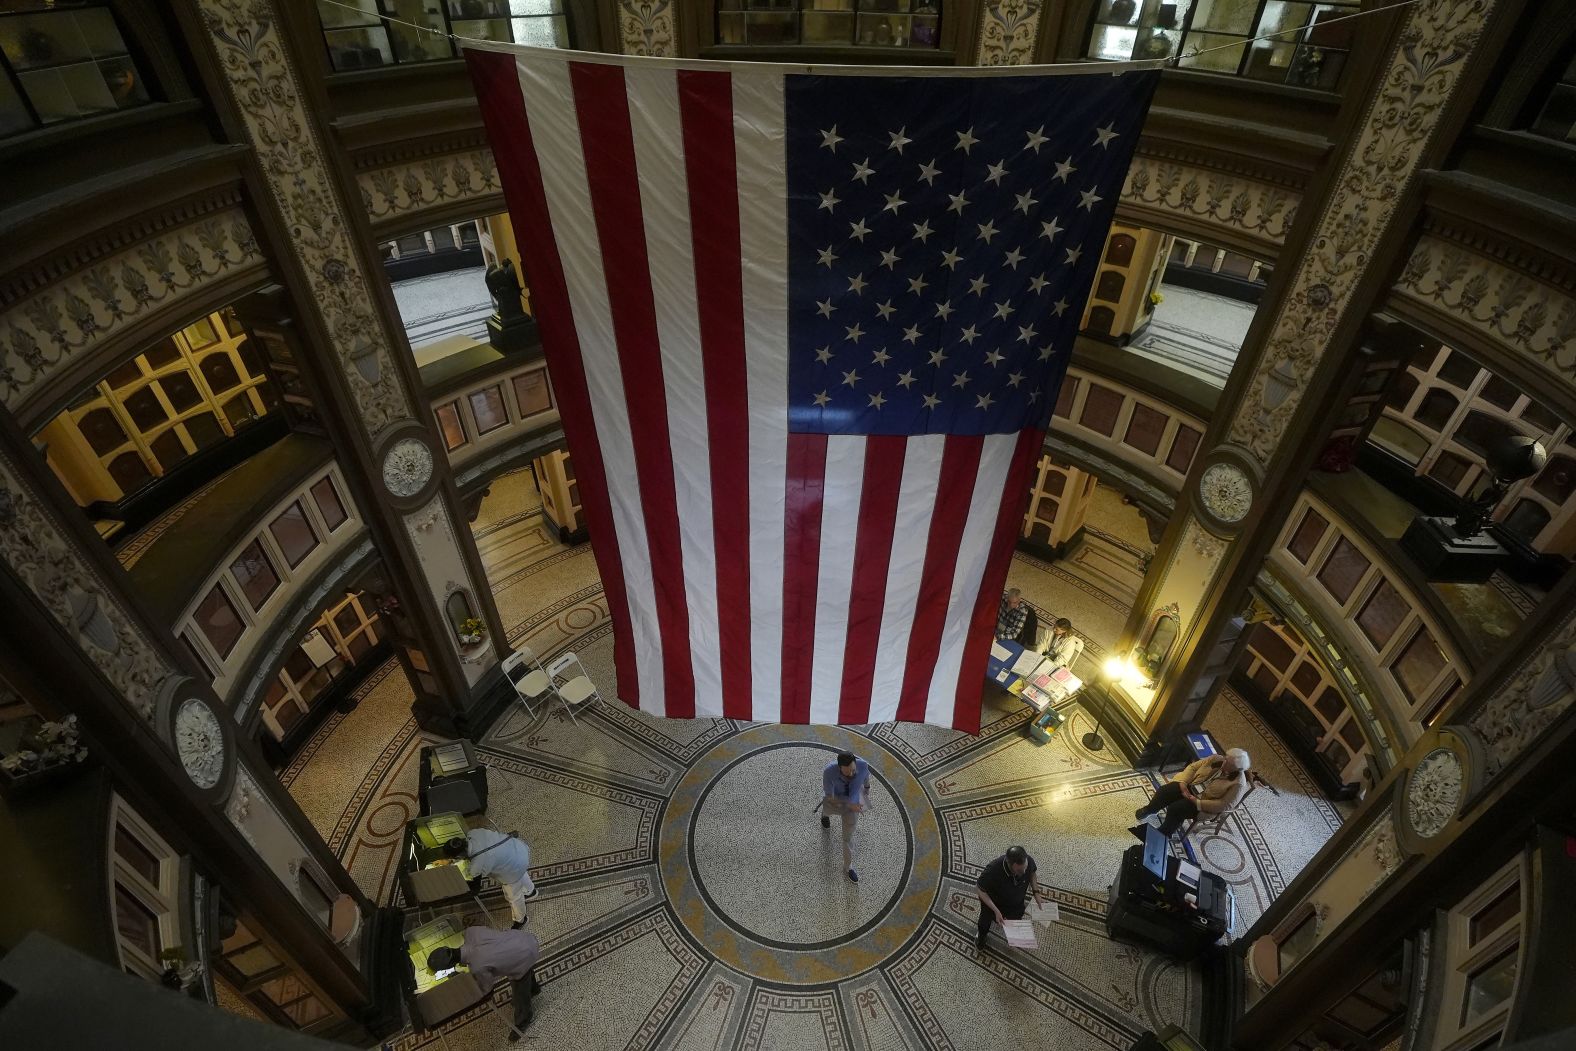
column 1011, row 614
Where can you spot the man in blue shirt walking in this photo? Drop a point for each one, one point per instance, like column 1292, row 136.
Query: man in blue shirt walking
column 843, row 786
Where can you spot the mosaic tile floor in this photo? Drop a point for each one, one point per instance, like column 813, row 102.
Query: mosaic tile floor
column 690, row 898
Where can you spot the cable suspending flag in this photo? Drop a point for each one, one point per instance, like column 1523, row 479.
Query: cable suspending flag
column 806, row 328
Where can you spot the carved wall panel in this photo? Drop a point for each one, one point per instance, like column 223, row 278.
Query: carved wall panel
column 246, row 38
column 38, row 549
column 1538, row 693
column 645, row 27
column 1529, row 316
column 1254, row 208
column 1008, row 30
column 397, row 190
column 1422, row 74
column 49, row 321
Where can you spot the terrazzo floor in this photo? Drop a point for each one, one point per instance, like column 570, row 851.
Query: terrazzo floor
column 690, row 898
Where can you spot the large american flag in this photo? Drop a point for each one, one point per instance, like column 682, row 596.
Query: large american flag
column 806, row 328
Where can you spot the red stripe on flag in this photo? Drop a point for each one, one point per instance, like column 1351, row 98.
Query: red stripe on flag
column 706, row 109
column 509, row 129
column 878, row 502
column 982, row 626
column 613, row 179
column 960, row 463
column 804, row 492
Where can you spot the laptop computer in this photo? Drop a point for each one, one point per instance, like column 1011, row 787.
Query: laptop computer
column 1155, row 852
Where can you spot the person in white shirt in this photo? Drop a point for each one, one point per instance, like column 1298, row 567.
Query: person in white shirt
column 1064, row 646
column 506, row 859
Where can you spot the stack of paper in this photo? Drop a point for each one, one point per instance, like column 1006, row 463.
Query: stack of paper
column 1020, row 934
column 1000, row 652
column 1047, row 913
column 1027, row 664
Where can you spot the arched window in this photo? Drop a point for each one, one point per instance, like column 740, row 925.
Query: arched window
column 1109, row 287
column 1120, row 250
column 1100, row 321
column 1437, row 408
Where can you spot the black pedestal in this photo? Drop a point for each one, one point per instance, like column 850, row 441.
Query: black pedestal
column 514, row 334
column 1450, row 559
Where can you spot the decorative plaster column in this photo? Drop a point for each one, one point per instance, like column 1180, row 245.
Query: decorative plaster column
column 311, row 222
column 1350, row 239
column 73, row 631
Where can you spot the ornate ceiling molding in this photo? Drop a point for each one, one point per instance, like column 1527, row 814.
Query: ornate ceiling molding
column 1422, row 73
column 402, row 189
column 95, row 295
column 645, row 27
column 1201, row 193
column 1541, row 690
column 246, row 39
column 1513, row 300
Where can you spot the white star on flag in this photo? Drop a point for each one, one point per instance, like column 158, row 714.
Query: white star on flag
column 830, row 139
column 1064, row 169
column 966, row 140
column 1037, row 138
column 1103, row 136
column 851, row 378
column 899, row 140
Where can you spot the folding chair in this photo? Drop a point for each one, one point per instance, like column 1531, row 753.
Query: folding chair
column 530, row 679
column 576, row 690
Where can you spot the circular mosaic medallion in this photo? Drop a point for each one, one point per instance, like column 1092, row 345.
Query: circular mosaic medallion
column 199, row 741
column 1226, row 491
column 757, row 880
column 1433, row 791
column 407, row 466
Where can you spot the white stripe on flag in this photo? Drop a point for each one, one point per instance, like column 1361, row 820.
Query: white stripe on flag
column 911, row 530
column 759, row 137
column 546, row 88
column 665, row 211
column 843, row 488
column 973, row 553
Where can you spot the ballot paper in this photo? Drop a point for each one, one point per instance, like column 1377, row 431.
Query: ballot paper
column 1000, row 652
column 1026, row 663
column 1020, row 934
column 1047, row 913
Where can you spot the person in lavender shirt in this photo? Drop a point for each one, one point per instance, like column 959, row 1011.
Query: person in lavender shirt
column 843, row 786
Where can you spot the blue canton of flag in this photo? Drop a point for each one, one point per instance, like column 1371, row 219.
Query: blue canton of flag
column 943, row 236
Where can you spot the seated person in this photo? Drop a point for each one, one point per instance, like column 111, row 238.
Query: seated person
column 1213, row 785
column 1064, row 646
column 1030, row 634
column 1011, row 614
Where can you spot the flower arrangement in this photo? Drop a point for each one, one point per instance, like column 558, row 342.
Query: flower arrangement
column 471, row 630
column 50, row 745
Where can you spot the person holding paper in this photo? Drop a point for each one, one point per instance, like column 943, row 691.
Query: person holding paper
column 1004, row 887
column 491, row 955
column 843, row 785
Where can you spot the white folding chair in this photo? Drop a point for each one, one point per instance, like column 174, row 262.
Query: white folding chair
column 574, row 690
column 530, row 679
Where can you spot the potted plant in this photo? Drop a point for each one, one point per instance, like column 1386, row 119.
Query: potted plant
column 472, row 630
column 43, row 751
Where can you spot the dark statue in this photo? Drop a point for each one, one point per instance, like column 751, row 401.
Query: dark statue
column 504, row 287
